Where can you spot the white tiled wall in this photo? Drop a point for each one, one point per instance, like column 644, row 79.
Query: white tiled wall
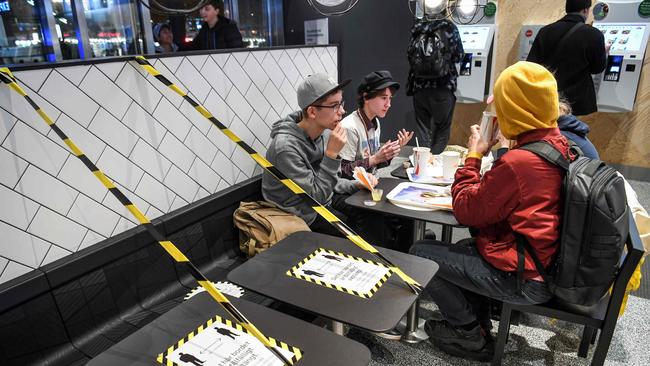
column 153, row 144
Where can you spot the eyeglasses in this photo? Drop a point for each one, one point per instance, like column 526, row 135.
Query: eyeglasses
column 336, row 106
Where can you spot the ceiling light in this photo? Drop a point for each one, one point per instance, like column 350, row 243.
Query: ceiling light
column 467, row 8
column 434, row 6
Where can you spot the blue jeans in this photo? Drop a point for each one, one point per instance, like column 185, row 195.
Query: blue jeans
column 465, row 280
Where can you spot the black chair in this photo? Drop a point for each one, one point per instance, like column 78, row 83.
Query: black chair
column 602, row 316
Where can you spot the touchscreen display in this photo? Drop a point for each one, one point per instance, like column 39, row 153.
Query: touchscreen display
column 613, row 69
column 623, row 37
column 474, row 37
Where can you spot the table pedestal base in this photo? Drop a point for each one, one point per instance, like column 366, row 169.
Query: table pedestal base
column 412, row 327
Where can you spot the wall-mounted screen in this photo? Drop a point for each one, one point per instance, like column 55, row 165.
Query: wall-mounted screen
column 474, row 37
column 623, row 37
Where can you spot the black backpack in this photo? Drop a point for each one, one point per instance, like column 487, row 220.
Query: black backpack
column 593, row 232
column 429, row 53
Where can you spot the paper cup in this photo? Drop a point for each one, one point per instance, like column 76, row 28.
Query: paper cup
column 489, row 127
column 450, row 161
column 422, row 166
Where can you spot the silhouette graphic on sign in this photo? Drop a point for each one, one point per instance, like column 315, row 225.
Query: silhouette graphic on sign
column 188, row 358
column 226, row 332
column 332, row 257
column 312, row 273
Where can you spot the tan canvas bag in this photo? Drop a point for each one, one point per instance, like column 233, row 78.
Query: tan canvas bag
column 261, row 224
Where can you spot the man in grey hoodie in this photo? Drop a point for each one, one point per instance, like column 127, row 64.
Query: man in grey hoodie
column 300, row 151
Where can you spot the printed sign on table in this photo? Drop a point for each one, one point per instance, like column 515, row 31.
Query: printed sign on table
column 220, row 342
column 342, row 272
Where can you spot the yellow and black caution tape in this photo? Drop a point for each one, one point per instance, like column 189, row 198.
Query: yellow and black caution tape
column 294, row 272
column 164, row 358
column 8, row 78
column 295, row 188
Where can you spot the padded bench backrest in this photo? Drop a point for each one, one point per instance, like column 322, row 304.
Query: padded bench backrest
column 75, row 308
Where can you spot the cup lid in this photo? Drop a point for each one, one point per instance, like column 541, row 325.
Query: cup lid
column 450, row 153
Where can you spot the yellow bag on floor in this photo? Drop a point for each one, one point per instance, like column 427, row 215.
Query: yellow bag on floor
column 643, row 225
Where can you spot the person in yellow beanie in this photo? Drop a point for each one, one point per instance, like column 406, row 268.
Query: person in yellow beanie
column 520, row 193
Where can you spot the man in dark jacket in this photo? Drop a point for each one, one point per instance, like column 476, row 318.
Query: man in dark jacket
column 216, row 31
column 583, row 53
column 433, row 98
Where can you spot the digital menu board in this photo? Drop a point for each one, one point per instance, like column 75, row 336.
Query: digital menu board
column 474, row 37
column 623, row 37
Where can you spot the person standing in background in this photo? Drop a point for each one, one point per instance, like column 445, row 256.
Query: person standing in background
column 217, row 31
column 573, row 51
column 434, row 51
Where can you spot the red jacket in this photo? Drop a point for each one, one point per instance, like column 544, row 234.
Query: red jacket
column 522, row 193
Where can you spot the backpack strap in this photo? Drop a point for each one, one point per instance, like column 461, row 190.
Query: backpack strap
column 548, row 152
column 524, row 246
column 563, row 40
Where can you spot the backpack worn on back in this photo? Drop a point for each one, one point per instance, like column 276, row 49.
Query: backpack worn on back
column 594, row 229
column 261, row 224
column 428, row 53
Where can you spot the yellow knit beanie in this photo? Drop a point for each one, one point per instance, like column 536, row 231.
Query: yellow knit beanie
column 525, row 96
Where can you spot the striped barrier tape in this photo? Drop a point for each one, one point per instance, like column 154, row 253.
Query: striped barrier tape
column 171, row 249
column 295, row 188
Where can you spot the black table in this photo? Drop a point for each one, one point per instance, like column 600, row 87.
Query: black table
column 399, row 172
column 442, row 217
column 320, row 347
column 266, row 274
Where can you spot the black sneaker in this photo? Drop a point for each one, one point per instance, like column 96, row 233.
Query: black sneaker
column 486, row 325
column 486, row 330
column 440, row 331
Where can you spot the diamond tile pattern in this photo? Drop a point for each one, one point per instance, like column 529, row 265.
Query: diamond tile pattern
column 154, row 145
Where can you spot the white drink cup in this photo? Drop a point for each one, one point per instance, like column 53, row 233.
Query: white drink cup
column 489, row 127
column 421, row 157
column 450, row 161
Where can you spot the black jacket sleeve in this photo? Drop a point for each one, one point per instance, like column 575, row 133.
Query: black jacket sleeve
column 596, row 54
column 232, row 36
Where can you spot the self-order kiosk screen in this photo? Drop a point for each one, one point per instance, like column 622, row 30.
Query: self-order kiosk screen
column 474, row 37
column 623, row 37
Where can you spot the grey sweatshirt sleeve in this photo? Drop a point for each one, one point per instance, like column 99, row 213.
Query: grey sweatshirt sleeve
column 319, row 184
column 345, row 186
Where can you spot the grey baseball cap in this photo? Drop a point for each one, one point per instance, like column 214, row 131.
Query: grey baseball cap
column 317, row 86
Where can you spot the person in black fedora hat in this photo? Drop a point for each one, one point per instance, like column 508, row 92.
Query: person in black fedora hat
column 573, row 51
column 362, row 149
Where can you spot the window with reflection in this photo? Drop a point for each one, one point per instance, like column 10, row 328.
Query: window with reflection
column 254, row 22
column 21, row 33
column 65, row 29
column 193, row 22
column 251, row 16
column 112, row 27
